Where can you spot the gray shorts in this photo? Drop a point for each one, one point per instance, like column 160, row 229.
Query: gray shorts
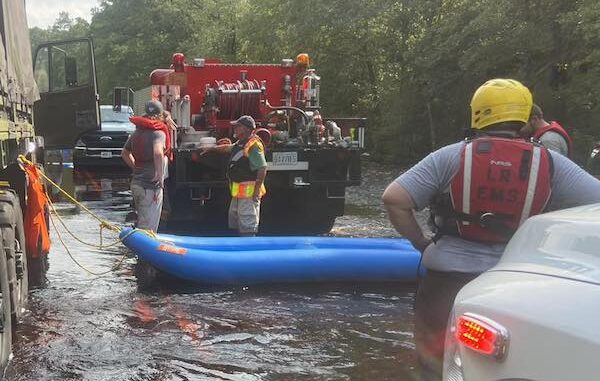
column 244, row 215
column 148, row 205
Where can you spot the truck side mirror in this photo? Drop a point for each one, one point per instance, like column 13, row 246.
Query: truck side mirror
column 71, row 72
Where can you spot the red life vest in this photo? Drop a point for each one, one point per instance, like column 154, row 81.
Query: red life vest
column 157, row 125
column 500, row 183
column 555, row 127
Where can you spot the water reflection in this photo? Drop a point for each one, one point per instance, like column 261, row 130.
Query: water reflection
column 83, row 327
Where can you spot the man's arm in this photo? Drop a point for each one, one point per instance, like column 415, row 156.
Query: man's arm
column 260, row 179
column 128, row 158
column 400, row 206
column 225, row 148
column 158, row 155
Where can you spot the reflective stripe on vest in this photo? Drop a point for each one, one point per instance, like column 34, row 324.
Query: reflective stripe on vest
column 245, row 189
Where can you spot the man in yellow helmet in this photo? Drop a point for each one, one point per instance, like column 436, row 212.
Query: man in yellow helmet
column 480, row 191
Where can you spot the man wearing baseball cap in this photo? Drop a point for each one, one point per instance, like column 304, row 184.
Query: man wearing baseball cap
column 246, row 173
column 146, row 152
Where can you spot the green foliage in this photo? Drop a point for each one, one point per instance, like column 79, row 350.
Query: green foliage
column 410, row 66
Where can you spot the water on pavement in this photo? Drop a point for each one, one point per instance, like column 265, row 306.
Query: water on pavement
column 85, row 327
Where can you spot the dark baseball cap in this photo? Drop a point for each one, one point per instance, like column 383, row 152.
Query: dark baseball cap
column 154, row 107
column 246, row 121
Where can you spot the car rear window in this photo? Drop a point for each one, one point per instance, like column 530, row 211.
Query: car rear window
column 109, row 115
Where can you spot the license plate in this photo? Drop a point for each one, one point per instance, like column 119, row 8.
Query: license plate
column 285, row 158
column 106, row 155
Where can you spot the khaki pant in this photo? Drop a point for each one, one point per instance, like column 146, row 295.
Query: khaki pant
column 148, row 205
column 244, row 215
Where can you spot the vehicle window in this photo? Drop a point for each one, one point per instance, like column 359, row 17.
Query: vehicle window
column 109, row 115
column 69, row 66
column 41, row 70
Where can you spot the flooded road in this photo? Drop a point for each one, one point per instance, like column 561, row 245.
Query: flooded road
column 85, row 327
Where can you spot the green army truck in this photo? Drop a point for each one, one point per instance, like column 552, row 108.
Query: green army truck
column 34, row 117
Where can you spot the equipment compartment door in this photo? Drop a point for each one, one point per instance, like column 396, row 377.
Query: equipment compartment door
column 66, row 76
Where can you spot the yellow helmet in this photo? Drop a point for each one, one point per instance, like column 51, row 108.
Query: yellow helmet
column 500, row 100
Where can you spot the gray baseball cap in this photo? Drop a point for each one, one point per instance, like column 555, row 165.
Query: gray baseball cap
column 154, row 107
column 246, row 121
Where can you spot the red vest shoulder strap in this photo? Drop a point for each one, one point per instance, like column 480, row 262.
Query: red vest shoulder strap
column 554, row 127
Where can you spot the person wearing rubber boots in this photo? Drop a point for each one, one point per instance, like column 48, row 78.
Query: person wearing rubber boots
column 479, row 192
column 551, row 134
column 246, row 173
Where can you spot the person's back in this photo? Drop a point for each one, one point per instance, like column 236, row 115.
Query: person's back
column 556, row 141
column 551, row 134
column 141, row 145
column 480, row 191
column 145, row 153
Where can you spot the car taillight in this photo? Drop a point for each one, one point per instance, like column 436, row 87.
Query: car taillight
column 482, row 335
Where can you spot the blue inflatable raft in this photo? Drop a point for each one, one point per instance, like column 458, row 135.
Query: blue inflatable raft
column 257, row 260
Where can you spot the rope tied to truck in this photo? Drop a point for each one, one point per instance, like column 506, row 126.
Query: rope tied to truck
column 32, row 169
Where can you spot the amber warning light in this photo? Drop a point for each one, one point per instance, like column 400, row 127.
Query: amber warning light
column 482, row 335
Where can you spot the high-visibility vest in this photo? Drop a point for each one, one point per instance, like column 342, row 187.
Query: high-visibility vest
column 245, row 189
column 242, row 178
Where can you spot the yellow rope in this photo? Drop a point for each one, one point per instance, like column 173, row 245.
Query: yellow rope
column 114, row 268
column 64, row 225
column 103, row 225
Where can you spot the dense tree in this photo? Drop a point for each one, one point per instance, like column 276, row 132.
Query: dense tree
column 410, row 66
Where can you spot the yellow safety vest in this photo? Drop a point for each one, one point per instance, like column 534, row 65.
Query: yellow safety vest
column 246, row 189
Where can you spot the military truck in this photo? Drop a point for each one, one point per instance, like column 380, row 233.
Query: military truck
column 33, row 118
column 311, row 158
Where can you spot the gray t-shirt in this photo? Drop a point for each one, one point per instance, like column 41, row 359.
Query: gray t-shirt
column 571, row 186
column 554, row 141
column 141, row 144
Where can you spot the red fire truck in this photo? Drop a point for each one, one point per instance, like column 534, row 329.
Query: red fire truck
column 311, row 159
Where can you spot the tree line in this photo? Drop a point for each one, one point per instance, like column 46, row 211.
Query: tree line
column 409, row 66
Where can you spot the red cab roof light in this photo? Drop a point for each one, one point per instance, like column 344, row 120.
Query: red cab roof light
column 482, row 335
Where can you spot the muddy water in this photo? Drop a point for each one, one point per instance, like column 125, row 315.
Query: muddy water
column 86, row 327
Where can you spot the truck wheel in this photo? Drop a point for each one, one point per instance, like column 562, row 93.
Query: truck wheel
column 22, row 269
column 5, row 311
column 10, row 211
column 322, row 225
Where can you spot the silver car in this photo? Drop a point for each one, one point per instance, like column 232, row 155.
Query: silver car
column 534, row 316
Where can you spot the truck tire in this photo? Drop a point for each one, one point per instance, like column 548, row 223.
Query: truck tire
column 5, row 312
column 21, row 263
column 322, row 225
column 12, row 234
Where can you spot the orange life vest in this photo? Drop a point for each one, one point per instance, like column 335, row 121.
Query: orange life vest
column 37, row 237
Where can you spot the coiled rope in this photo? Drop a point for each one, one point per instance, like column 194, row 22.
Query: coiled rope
column 103, row 224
